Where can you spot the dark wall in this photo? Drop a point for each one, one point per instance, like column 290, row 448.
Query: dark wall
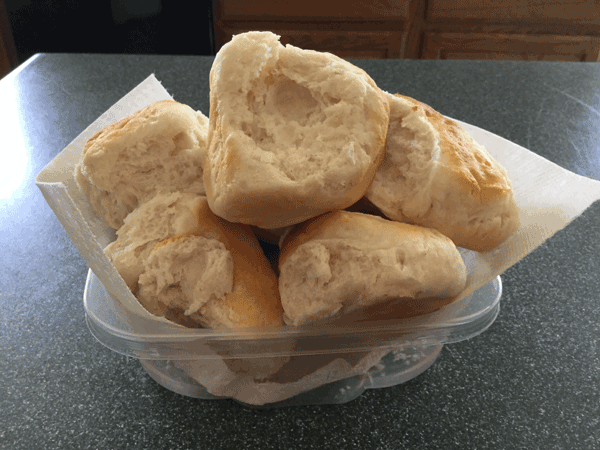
column 111, row 26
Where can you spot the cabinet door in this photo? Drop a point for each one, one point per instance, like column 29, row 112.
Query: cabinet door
column 346, row 28
column 8, row 51
column 345, row 44
column 571, row 12
column 441, row 45
column 310, row 9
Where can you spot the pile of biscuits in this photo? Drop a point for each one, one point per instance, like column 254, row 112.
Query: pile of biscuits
column 367, row 194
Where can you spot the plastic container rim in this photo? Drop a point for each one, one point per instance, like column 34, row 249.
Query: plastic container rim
column 180, row 334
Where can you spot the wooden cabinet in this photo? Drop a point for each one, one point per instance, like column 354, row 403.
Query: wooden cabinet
column 538, row 12
column 311, row 9
column 345, row 44
column 509, row 47
column 550, row 30
column 8, row 53
column 347, row 28
column 553, row 30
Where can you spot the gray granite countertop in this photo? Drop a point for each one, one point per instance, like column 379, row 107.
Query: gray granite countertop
column 531, row 381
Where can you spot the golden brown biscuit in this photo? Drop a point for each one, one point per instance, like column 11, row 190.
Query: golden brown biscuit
column 435, row 175
column 159, row 149
column 292, row 134
column 343, row 262
column 217, row 276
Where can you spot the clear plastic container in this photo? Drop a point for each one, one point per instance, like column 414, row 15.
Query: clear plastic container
column 372, row 354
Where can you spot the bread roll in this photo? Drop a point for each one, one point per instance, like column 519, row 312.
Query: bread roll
column 435, row 175
column 159, row 149
column 216, row 277
column 293, row 133
column 342, row 262
column 160, row 218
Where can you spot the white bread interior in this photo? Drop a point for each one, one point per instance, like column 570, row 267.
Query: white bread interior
column 189, row 280
column 344, row 261
column 190, row 273
column 406, row 174
column 292, row 134
column 435, row 175
column 156, row 150
column 160, row 218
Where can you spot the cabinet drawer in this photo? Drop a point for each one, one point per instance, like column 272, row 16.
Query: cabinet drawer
column 345, row 44
column 509, row 47
column 565, row 11
column 307, row 9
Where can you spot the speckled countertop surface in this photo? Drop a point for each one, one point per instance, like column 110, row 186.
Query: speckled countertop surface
column 531, row 381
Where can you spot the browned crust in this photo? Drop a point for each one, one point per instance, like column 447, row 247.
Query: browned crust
column 476, row 173
column 477, row 176
column 126, row 125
